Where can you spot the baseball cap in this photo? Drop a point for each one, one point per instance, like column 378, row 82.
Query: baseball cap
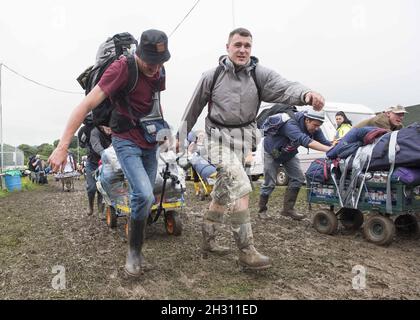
column 315, row 115
column 153, row 47
column 396, row 109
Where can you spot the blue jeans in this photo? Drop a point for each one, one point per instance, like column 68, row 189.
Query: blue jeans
column 139, row 167
column 293, row 170
column 90, row 179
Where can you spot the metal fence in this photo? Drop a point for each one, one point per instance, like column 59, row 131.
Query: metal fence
column 12, row 159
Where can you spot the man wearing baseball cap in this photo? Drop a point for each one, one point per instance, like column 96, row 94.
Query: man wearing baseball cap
column 390, row 119
column 283, row 138
column 136, row 155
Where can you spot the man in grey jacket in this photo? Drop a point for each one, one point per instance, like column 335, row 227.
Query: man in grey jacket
column 234, row 97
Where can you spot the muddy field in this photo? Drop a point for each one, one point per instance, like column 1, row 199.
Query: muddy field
column 46, row 228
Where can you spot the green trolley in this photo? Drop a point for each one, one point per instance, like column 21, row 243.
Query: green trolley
column 380, row 225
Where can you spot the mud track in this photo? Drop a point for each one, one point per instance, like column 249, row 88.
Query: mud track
column 47, row 227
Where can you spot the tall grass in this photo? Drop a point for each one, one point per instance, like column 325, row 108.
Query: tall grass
column 27, row 185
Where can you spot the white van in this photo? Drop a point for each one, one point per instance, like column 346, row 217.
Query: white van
column 355, row 112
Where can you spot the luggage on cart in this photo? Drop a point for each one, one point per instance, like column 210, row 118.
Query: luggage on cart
column 169, row 191
column 380, row 226
column 206, row 173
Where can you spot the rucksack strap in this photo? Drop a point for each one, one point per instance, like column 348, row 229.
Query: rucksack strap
column 216, row 75
column 133, row 74
column 120, row 123
column 219, row 70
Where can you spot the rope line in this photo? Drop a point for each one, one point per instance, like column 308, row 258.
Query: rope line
column 179, row 24
column 77, row 92
column 39, row 83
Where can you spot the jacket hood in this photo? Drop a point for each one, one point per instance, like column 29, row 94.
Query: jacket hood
column 228, row 64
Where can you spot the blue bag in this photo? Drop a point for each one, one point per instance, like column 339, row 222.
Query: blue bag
column 154, row 130
column 318, row 171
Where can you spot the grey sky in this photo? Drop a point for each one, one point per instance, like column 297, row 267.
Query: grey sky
column 350, row 51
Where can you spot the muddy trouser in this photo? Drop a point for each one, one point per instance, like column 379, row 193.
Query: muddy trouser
column 140, row 167
column 293, row 171
column 232, row 182
column 90, row 179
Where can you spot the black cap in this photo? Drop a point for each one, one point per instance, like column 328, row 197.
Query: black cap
column 153, row 47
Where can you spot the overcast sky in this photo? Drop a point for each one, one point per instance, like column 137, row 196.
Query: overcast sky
column 350, row 51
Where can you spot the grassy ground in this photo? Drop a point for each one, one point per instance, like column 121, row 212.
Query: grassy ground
column 27, row 185
column 45, row 227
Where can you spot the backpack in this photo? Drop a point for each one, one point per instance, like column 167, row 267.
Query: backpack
column 318, row 171
column 276, row 108
column 83, row 135
column 218, row 71
column 112, row 49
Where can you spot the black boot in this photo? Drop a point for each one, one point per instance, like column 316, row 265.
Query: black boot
column 262, row 212
column 289, row 203
column 100, row 203
column 136, row 235
column 91, row 198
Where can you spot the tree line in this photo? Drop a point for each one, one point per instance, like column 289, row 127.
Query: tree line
column 45, row 149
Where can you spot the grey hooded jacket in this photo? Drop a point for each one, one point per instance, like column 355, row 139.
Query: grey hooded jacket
column 234, row 99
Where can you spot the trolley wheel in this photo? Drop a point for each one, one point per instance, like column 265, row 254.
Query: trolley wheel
column 173, row 223
column 407, row 224
column 111, row 217
column 325, row 222
column 379, row 230
column 351, row 219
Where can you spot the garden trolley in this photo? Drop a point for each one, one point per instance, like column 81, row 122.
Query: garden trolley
column 169, row 198
column 380, row 225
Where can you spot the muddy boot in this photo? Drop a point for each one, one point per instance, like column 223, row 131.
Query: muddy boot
column 262, row 212
column 145, row 266
column 136, row 235
column 208, row 228
column 289, row 203
column 100, row 203
column 91, row 198
column 249, row 257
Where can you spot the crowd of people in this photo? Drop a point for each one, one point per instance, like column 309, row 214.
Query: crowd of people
column 233, row 91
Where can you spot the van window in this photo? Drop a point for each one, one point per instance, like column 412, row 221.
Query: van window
column 354, row 117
